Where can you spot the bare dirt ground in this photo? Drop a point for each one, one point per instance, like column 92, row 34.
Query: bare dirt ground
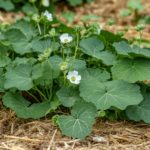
column 29, row 134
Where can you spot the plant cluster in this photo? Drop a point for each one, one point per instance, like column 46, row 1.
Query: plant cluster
column 85, row 76
column 35, row 5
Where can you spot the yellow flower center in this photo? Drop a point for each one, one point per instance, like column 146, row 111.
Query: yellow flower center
column 66, row 40
column 73, row 78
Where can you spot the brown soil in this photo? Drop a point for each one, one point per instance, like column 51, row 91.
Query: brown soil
column 29, row 134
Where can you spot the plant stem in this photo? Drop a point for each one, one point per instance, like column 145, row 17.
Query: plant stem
column 76, row 49
column 44, row 27
column 63, row 55
column 13, row 57
column 89, row 62
column 51, row 88
column 35, row 8
column 141, row 33
column 64, row 78
column 67, row 52
column 40, row 93
column 48, row 95
column 108, row 27
column 39, row 28
column 107, row 43
column 54, row 44
column 33, row 96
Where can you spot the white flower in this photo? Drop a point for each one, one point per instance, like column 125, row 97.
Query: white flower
column 65, row 38
column 74, row 77
column 48, row 15
column 45, row 3
column 100, row 28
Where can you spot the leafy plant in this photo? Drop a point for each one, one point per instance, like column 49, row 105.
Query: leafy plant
column 69, row 16
column 134, row 6
column 90, row 17
column 86, row 76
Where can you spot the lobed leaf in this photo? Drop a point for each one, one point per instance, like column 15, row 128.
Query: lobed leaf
column 79, row 125
column 112, row 93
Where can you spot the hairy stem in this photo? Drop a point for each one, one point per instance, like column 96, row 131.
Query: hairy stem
column 76, row 49
column 33, row 96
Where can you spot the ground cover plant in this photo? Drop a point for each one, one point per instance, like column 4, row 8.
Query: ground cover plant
column 84, row 72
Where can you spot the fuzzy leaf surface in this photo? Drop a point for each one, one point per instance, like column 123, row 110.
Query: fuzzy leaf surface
column 79, row 125
column 112, row 93
column 68, row 96
column 141, row 111
column 132, row 70
column 19, row 77
column 2, row 80
column 97, row 73
column 20, row 106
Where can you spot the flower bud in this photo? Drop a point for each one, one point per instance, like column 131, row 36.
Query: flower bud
column 139, row 27
column 36, row 18
column 52, row 32
column 48, row 52
column 42, row 57
column 55, row 121
column 126, row 29
column 110, row 22
column 67, row 60
column 63, row 66
column 102, row 113
column 78, row 28
column 32, row 1
column 94, row 25
column 120, row 33
column 30, row 13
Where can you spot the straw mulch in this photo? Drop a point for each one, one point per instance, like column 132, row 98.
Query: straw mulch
column 29, row 134
column 107, row 9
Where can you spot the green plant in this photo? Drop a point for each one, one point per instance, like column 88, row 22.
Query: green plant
column 134, row 6
column 85, row 76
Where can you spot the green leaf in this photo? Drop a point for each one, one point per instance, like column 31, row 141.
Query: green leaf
column 100, row 75
column 64, row 29
column 125, row 13
column 37, row 71
column 47, row 73
column 132, row 71
column 7, row 5
column 107, row 57
column 112, row 93
column 26, row 28
column 69, row 16
column 124, row 50
column 22, row 108
column 91, row 46
column 68, row 96
column 110, row 37
column 19, row 77
column 28, row 7
column 22, row 60
column 41, row 46
column 19, row 41
column 90, row 17
column 79, row 125
column 135, row 4
column 4, row 60
column 2, row 80
column 90, row 1
column 141, row 111
column 75, row 2
column 139, row 52
column 79, row 65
